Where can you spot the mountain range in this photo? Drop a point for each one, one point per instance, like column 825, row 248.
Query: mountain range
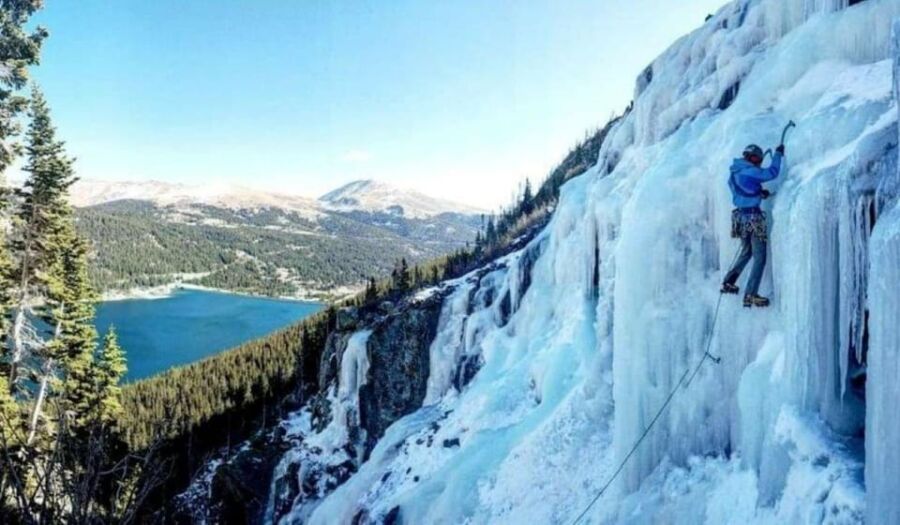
column 253, row 241
column 361, row 195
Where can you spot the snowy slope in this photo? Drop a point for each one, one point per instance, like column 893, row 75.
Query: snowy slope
column 604, row 312
column 375, row 196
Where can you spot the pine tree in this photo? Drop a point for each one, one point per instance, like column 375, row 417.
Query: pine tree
column 403, row 277
column 54, row 260
column 40, row 218
column 10, row 421
column 18, row 50
column 51, row 473
column 371, row 291
column 11, row 440
column 81, row 399
column 76, row 336
column 7, row 300
column 111, row 368
column 490, row 233
column 527, row 205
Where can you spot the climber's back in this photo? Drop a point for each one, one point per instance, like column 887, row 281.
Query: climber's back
column 747, row 176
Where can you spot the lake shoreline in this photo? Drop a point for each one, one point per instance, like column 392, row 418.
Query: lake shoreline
column 193, row 324
column 168, row 290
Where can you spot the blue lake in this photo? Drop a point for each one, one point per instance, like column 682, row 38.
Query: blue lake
column 158, row 334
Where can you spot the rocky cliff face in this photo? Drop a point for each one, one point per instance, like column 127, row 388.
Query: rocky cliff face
column 398, row 368
column 279, row 471
column 374, row 371
column 381, row 365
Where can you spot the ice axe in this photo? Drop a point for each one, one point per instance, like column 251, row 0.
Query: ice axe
column 787, row 127
column 790, row 124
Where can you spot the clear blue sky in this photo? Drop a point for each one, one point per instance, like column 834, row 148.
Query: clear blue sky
column 461, row 99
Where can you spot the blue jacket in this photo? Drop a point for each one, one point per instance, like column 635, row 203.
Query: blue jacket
column 746, row 181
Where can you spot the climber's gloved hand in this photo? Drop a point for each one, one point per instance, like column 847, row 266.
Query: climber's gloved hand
column 765, row 194
column 780, row 149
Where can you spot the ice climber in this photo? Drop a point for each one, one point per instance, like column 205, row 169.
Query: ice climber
column 748, row 221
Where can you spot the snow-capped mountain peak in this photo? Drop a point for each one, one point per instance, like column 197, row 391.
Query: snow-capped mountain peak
column 376, row 196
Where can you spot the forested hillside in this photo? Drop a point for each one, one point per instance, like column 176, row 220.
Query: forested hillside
column 268, row 251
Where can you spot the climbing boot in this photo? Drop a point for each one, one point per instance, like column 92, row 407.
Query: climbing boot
column 729, row 288
column 755, row 300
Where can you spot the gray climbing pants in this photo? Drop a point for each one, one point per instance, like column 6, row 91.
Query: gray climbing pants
column 750, row 227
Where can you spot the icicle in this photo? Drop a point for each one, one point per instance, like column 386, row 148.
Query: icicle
column 448, row 345
column 354, row 370
column 883, row 387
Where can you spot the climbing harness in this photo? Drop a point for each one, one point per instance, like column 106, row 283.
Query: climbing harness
column 749, row 223
column 685, row 380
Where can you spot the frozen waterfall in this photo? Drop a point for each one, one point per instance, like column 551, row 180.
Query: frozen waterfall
column 581, row 336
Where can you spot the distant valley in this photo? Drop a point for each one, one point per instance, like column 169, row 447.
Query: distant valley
column 155, row 235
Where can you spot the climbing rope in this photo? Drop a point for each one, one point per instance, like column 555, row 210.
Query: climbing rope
column 706, row 355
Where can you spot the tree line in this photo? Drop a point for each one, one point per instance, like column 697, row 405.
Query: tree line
column 260, row 372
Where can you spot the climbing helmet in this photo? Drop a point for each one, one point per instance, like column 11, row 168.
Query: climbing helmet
column 753, row 151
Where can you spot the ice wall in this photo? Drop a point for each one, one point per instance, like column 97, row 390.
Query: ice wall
column 883, row 423
column 883, row 387
column 581, row 340
column 827, row 72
